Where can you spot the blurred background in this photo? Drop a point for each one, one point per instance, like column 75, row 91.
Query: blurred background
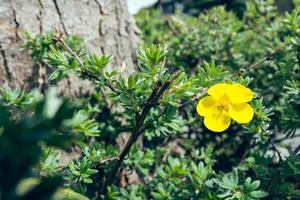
column 194, row 7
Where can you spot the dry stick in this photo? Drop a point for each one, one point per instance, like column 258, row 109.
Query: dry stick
column 254, row 66
column 137, row 131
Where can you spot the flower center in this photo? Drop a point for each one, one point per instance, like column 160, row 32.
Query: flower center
column 223, row 104
column 221, row 107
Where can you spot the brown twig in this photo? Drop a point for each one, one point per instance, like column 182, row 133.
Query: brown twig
column 140, row 119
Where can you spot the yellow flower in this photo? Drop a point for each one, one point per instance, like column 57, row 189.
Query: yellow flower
column 226, row 102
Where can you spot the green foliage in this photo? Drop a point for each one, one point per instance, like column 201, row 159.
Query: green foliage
column 231, row 189
column 82, row 124
column 140, row 161
column 81, row 171
column 49, row 161
column 195, row 7
column 17, row 97
column 138, row 136
column 21, row 147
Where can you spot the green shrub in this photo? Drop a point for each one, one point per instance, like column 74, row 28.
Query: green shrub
column 168, row 152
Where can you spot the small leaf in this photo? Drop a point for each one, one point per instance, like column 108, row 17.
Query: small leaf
column 258, row 194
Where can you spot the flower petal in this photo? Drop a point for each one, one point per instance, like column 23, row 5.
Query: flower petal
column 217, row 122
column 242, row 113
column 219, row 90
column 206, row 106
column 239, row 93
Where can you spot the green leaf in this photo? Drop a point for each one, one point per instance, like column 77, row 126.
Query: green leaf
column 258, row 194
column 296, row 193
column 68, row 194
column 157, row 196
column 254, row 185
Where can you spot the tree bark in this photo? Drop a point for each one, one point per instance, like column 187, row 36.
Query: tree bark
column 105, row 25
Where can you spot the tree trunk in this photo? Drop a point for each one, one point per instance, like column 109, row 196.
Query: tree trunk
column 105, row 25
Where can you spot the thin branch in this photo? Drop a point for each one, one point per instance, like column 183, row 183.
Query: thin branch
column 137, row 131
column 59, row 38
column 273, row 180
column 275, row 149
column 72, row 53
column 286, row 137
column 108, row 160
column 242, row 71
column 194, row 98
column 259, row 63
column 297, row 149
